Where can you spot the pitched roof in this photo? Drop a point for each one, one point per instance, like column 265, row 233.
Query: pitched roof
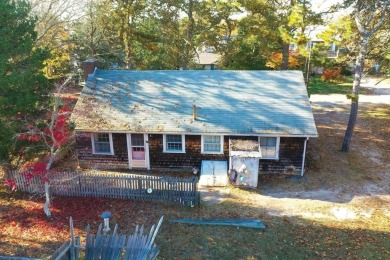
column 238, row 102
column 206, row 58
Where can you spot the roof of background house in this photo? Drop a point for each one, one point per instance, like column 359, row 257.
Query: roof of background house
column 206, row 58
column 238, row 102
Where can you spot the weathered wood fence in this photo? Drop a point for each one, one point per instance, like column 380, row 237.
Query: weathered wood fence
column 110, row 246
column 115, row 185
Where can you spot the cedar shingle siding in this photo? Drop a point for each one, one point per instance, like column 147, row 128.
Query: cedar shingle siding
column 89, row 160
column 290, row 157
column 192, row 157
column 290, row 154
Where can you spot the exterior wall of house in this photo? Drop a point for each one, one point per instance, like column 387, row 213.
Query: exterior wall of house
column 290, row 154
column 192, row 157
column 101, row 161
column 290, row 158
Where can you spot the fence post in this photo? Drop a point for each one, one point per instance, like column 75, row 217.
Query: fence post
column 71, row 249
column 140, row 186
column 77, row 247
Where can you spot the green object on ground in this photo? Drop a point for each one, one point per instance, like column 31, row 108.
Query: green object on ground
column 248, row 223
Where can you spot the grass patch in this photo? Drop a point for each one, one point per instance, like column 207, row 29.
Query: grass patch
column 317, row 86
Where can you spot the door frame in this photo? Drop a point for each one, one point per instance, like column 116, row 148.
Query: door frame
column 146, row 148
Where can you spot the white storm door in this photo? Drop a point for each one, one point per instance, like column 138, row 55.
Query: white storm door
column 137, row 151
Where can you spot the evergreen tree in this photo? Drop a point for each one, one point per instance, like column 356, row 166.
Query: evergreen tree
column 22, row 84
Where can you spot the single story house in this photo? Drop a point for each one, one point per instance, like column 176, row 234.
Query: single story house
column 177, row 119
column 207, row 60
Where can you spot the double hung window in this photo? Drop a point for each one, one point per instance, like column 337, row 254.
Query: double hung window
column 174, row 143
column 269, row 147
column 212, row 144
column 102, row 143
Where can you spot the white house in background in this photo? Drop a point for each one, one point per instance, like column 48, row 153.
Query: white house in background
column 207, row 58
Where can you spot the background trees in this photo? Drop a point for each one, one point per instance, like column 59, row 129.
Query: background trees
column 51, row 37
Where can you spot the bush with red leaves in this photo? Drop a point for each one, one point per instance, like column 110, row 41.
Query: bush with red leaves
column 331, row 74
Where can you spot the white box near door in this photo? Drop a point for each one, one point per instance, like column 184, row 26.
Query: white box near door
column 213, row 173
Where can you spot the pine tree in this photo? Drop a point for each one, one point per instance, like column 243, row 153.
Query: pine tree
column 23, row 88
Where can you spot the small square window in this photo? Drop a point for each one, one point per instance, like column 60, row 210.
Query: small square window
column 212, row 144
column 174, row 143
column 269, row 147
column 102, row 143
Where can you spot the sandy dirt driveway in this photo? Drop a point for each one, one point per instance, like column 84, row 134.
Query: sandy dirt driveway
column 339, row 186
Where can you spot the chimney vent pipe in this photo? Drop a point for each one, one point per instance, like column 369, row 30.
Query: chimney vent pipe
column 194, row 113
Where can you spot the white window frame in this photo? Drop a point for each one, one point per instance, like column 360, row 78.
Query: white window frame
column 183, row 144
column 221, row 140
column 277, row 147
column 111, row 144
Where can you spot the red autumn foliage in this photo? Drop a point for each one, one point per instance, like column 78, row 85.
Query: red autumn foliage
column 56, row 134
column 33, row 138
column 11, row 184
column 331, row 74
column 275, row 61
column 35, row 169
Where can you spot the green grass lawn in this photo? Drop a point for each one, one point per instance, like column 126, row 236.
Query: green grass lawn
column 317, row 86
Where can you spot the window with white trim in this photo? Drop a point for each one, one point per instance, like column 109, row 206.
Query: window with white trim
column 269, row 147
column 174, row 143
column 212, row 144
column 102, row 143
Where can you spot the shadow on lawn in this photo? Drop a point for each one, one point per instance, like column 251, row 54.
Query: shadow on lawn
column 16, row 246
column 292, row 237
column 284, row 237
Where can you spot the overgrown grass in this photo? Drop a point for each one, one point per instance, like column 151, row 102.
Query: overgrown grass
column 317, row 86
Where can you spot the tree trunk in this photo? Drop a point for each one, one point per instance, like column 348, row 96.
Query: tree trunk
column 351, row 124
column 47, row 203
column 355, row 94
column 7, row 169
column 285, row 55
column 47, row 193
column 190, row 35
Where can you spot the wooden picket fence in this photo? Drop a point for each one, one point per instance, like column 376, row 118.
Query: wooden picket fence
column 110, row 246
column 115, row 185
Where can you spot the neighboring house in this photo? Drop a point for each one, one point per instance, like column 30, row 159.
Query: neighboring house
column 207, row 60
column 177, row 119
column 331, row 53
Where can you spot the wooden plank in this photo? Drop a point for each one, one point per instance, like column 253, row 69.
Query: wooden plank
column 248, row 223
column 61, row 251
column 17, row 258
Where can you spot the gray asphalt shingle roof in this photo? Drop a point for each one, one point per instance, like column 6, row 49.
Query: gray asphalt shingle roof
column 228, row 102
